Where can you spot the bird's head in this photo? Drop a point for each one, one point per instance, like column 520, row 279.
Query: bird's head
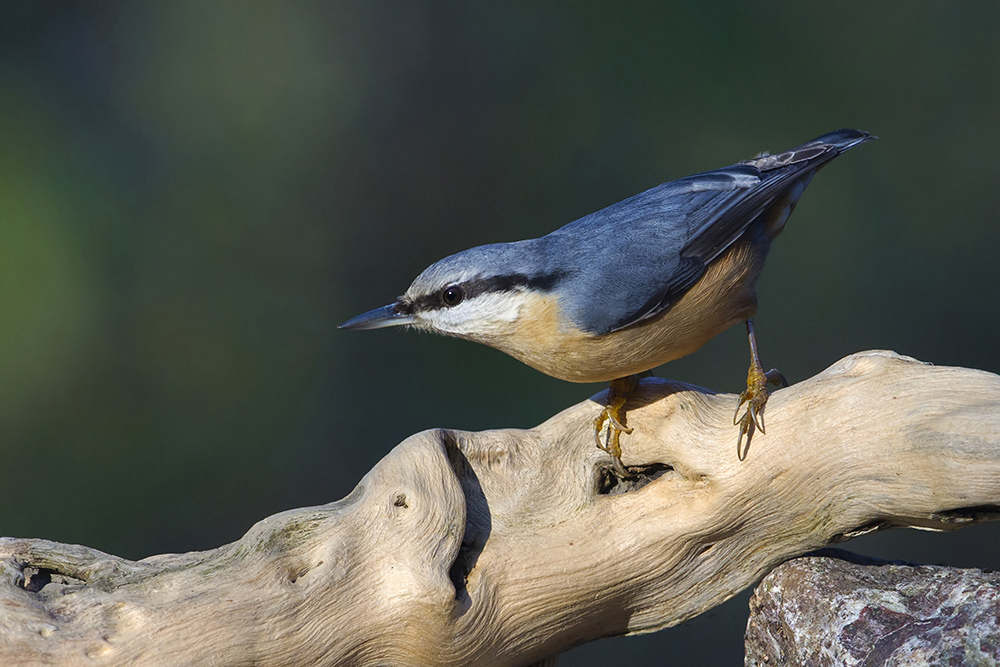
column 476, row 294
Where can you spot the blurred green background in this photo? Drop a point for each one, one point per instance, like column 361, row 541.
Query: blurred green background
column 193, row 195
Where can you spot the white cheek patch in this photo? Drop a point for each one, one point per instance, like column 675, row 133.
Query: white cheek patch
column 475, row 315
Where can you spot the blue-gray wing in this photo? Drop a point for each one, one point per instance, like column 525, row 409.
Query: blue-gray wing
column 653, row 247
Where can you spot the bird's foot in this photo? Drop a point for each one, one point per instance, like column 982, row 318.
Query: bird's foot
column 613, row 415
column 755, row 398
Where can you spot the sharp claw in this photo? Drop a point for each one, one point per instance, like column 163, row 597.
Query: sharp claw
column 601, row 444
column 739, row 404
column 597, row 438
column 739, row 443
column 618, row 425
column 616, row 463
column 599, row 428
column 758, row 418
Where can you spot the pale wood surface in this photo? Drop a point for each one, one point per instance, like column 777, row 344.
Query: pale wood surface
column 504, row 547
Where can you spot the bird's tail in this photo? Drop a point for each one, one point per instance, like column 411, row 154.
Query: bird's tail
column 819, row 151
column 816, row 154
column 783, row 178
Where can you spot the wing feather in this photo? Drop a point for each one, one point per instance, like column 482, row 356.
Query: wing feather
column 718, row 206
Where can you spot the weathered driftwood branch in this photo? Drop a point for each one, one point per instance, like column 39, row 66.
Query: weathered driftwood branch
column 504, row 547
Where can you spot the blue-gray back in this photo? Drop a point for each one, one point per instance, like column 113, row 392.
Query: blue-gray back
column 634, row 259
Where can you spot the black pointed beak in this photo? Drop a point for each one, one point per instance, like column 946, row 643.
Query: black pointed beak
column 386, row 316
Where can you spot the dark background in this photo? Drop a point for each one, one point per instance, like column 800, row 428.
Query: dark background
column 193, row 195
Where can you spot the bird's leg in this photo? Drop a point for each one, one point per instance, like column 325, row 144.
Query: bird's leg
column 614, row 416
column 755, row 396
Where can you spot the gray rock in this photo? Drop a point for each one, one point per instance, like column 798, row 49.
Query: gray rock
column 837, row 608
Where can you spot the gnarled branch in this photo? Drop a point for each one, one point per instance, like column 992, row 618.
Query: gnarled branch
column 504, row 547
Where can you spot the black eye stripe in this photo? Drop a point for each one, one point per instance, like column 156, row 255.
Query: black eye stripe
column 509, row 283
column 479, row 286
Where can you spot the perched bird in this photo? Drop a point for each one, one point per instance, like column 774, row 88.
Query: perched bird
column 635, row 285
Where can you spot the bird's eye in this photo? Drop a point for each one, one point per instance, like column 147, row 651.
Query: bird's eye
column 452, row 296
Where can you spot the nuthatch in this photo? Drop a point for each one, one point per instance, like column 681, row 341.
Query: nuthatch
column 635, row 285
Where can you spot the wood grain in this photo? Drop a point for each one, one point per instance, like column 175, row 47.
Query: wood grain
column 506, row 547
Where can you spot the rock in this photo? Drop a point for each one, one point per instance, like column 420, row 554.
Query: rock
column 838, row 608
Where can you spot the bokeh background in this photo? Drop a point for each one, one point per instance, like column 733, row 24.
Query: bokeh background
column 193, row 195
